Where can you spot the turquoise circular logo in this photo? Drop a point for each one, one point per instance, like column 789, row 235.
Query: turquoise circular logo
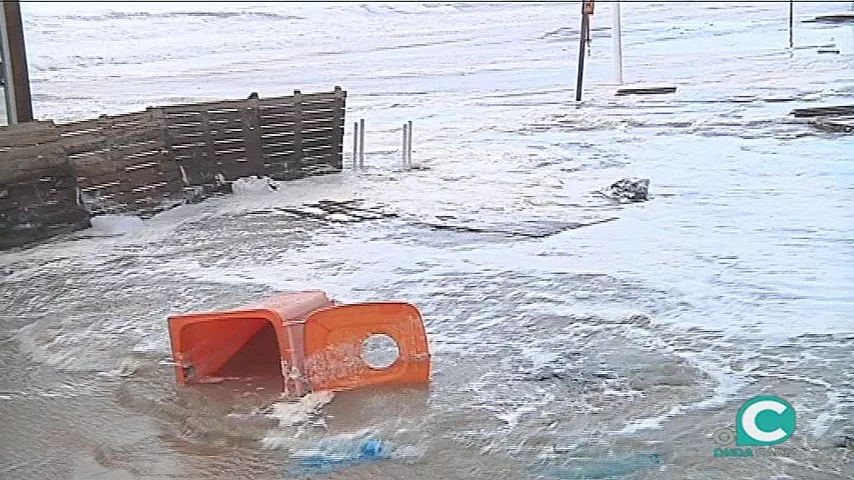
column 765, row 420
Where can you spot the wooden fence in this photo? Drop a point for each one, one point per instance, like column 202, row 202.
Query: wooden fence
column 38, row 191
column 145, row 162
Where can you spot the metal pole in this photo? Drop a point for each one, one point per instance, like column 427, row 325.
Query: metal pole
column 362, row 143
column 581, row 48
column 409, row 147
column 355, row 144
column 16, row 77
column 791, row 22
column 618, row 44
column 405, row 144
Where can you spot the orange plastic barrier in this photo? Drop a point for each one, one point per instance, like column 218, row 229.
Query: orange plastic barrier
column 304, row 340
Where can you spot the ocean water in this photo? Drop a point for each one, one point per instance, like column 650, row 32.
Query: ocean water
column 572, row 336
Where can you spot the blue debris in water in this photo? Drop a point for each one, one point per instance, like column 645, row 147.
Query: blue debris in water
column 332, row 456
column 602, row 468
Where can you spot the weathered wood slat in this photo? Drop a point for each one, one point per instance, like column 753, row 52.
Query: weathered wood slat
column 306, row 98
column 269, row 117
column 338, row 128
column 277, row 131
column 646, row 91
column 194, row 108
column 226, row 156
column 28, row 134
column 120, row 176
column 284, row 145
column 21, row 162
column 840, row 110
column 835, row 124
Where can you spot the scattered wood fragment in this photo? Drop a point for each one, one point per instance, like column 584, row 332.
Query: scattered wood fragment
column 841, row 110
column 645, row 91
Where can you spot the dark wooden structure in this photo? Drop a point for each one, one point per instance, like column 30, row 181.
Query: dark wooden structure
column 38, row 185
column 53, row 176
column 122, row 164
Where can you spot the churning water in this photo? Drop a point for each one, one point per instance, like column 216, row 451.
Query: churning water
column 572, row 337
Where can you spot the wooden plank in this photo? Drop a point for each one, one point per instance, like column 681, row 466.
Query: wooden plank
column 194, row 108
column 95, row 163
column 276, row 110
column 187, row 139
column 833, row 18
column 268, row 147
column 28, row 134
column 20, row 162
column 316, row 123
column 227, row 136
column 182, row 118
column 840, row 110
column 252, row 135
column 305, row 98
column 296, row 158
column 268, row 131
column 229, row 116
column 645, row 91
column 325, row 131
column 72, row 128
column 227, row 156
column 116, row 187
column 835, row 124
column 278, row 157
column 133, row 149
column 233, row 121
column 319, row 150
column 316, row 142
column 338, row 128
column 328, row 112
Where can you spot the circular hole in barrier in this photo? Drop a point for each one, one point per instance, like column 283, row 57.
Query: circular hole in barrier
column 380, row 351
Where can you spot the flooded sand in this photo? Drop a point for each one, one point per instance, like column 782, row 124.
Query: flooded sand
column 572, row 336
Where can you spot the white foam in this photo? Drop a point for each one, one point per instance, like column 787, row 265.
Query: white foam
column 254, row 185
column 301, row 411
column 116, row 224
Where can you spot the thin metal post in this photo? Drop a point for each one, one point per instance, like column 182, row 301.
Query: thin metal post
column 405, row 146
column 791, row 23
column 581, row 48
column 617, row 32
column 409, row 147
column 355, row 144
column 362, row 143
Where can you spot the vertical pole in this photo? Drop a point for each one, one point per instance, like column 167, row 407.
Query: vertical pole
column 617, row 32
column 405, row 145
column 355, row 145
column 581, row 48
column 791, row 22
column 338, row 125
column 19, row 103
column 409, row 147
column 362, row 143
column 296, row 166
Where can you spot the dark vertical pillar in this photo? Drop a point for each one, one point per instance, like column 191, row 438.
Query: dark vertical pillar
column 296, row 167
column 581, row 48
column 338, row 129
column 16, row 74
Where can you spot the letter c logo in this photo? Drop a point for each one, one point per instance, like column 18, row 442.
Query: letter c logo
column 766, row 420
